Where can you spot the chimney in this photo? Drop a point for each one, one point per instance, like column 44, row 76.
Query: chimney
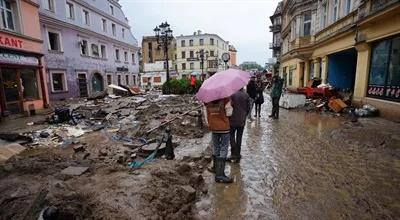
column 198, row 32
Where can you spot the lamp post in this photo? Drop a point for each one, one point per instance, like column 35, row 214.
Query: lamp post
column 202, row 55
column 164, row 37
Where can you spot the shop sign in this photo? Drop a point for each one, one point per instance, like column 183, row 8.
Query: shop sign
column 122, row 69
column 18, row 59
column 10, row 42
column 191, row 59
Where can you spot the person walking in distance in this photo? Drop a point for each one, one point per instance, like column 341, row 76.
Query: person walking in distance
column 259, row 100
column 241, row 108
column 193, row 81
column 251, row 91
column 217, row 118
column 276, row 92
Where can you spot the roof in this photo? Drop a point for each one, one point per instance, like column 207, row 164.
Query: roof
column 278, row 10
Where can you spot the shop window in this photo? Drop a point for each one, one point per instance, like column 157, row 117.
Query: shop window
column 70, row 10
column 54, row 41
column 103, row 50
column 58, row 81
column 157, row 79
column 49, row 5
column 127, row 79
column 95, row 50
column 97, row 83
column 29, row 84
column 84, row 48
column 384, row 77
column 7, row 14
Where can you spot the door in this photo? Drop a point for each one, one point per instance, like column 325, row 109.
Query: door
column 11, row 90
column 82, row 83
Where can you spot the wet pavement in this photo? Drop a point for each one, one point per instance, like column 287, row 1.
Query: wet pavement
column 310, row 166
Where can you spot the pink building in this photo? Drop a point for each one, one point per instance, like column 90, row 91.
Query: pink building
column 22, row 81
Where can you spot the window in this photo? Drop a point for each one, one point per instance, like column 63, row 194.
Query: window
column 117, row 54
column 104, row 24
column 70, row 10
column 211, row 41
column 384, row 77
column 133, row 58
column 123, row 33
column 58, row 82
column 182, row 43
column 157, row 79
column 95, row 50
column 112, row 9
column 201, row 42
column 119, row 79
column 109, row 79
column 290, row 77
column 86, row 17
column 307, row 24
column 7, row 15
column 49, row 5
column 348, row 6
column 192, row 66
column 127, row 79
column 126, row 56
column 183, row 66
column 103, row 50
column 211, row 53
column 190, row 42
column 183, row 54
column 191, row 54
column 323, row 15
column 114, row 30
column 335, row 10
column 84, row 48
column 165, row 65
column 54, row 41
column 30, row 84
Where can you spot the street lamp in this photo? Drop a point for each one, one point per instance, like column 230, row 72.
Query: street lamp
column 202, row 55
column 164, row 37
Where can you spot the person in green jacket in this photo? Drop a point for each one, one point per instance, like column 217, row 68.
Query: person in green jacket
column 276, row 92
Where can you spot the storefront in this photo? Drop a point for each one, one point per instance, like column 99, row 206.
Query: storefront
column 21, row 82
column 384, row 76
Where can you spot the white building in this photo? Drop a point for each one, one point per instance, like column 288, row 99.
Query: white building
column 187, row 52
column 155, row 73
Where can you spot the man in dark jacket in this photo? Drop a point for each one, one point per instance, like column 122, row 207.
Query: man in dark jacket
column 241, row 108
column 276, row 92
column 251, row 91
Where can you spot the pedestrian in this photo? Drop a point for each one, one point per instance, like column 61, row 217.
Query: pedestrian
column 193, row 83
column 259, row 100
column 241, row 108
column 217, row 118
column 276, row 92
column 251, row 91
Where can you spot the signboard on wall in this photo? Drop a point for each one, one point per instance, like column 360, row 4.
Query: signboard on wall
column 122, row 69
column 10, row 42
column 18, row 59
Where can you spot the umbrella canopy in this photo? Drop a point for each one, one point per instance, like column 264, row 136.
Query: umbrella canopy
column 222, row 85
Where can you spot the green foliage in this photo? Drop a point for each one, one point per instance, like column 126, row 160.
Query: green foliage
column 179, row 86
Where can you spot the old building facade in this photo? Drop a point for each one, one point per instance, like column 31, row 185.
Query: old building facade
column 275, row 28
column 22, row 79
column 188, row 53
column 350, row 44
column 87, row 45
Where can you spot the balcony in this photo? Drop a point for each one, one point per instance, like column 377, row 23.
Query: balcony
column 275, row 28
column 274, row 45
column 300, row 43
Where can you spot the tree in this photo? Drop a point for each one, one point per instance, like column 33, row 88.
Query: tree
column 251, row 66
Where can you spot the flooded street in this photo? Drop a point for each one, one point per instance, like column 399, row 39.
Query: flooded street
column 310, row 166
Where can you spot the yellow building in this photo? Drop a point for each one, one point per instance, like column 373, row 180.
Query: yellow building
column 350, row 44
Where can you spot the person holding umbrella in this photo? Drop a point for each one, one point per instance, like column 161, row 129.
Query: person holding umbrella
column 215, row 93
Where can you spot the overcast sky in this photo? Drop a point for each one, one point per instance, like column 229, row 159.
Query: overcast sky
column 244, row 23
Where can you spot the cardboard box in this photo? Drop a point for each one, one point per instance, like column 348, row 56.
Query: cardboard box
column 336, row 105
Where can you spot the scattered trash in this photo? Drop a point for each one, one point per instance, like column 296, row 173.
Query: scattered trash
column 29, row 123
column 367, row 111
column 74, row 171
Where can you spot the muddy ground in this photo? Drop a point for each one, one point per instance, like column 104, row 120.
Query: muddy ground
column 311, row 166
column 109, row 189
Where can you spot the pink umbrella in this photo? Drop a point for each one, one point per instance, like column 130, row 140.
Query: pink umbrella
column 222, row 85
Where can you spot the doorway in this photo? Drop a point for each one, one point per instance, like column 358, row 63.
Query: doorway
column 97, row 83
column 82, row 83
column 11, row 87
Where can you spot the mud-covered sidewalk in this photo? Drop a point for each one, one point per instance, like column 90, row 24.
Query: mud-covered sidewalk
column 311, row 166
